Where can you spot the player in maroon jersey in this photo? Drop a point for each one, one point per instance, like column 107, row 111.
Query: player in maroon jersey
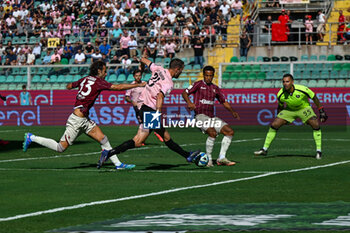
column 78, row 122
column 205, row 93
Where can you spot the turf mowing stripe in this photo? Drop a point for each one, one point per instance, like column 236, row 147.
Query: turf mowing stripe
column 165, row 192
column 137, row 171
column 98, row 152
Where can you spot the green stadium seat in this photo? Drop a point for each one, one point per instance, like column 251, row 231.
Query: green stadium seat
column 321, row 83
column 225, row 76
column 284, row 68
column 277, row 84
column 4, row 86
column 275, row 67
column 248, row 84
column 304, row 57
column 267, row 84
column 39, row 86
column 331, row 58
column 196, row 67
column 297, row 74
column 76, row 77
column 184, row 59
column 346, row 66
column 260, row 59
column 319, row 66
column 242, row 59
column 243, row 76
column 10, row 79
column 158, row 60
column 324, row 74
column 53, row 79
column 12, row 87
column 315, row 75
column 74, row 70
column 247, row 68
column 167, row 60
column 261, row 75
column 239, row 68
column 334, row 74
column 306, row 74
column 331, row 83
column 229, row 85
column 69, row 78
column 62, row 86
column 343, row 74
column 36, row 78
column 256, row 68
column 257, row 84
column 234, row 76
column 277, row 75
column 337, row 67
column 328, row 66
column 309, row 66
column 19, row 79
column 322, row 58
column 347, row 83
column 15, row 70
column 60, row 79
column 188, row 67
column 298, row 67
column 229, row 68
column 313, row 58
column 185, row 85
column 304, row 82
column 252, row 76
column 238, row 84
column 46, row 86
column 265, row 68
column 251, row 59
column 269, row 75
column 130, row 78
column 121, row 78
column 2, row 79
column 234, row 59
column 112, row 78
column 340, row 83
column 55, row 86
column 191, row 59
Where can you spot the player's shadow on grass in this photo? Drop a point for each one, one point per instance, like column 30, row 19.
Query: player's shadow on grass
column 18, row 145
column 155, row 166
column 286, row 155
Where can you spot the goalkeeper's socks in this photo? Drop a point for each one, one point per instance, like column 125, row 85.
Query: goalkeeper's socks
column 318, row 138
column 176, row 148
column 270, row 136
column 130, row 144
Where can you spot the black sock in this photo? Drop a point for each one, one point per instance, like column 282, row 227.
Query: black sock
column 175, row 147
column 122, row 147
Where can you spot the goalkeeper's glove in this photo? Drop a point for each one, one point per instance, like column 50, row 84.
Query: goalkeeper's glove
column 323, row 115
column 3, row 97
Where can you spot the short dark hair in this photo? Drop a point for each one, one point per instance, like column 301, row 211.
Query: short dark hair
column 288, row 75
column 209, row 68
column 176, row 63
column 137, row 71
column 97, row 65
column 24, row 86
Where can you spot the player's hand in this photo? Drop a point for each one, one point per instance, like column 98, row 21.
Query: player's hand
column 3, row 97
column 236, row 115
column 323, row 115
column 191, row 106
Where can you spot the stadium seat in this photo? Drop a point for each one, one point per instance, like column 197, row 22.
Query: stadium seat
column 275, row 67
column 265, row 67
column 188, row 67
column 252, row 76
column 4, row 86
column 318, row 66
column 184, row 59
column 321, row 83
column 121, row 78
column 299, row 67
column 60, row 79
column 196, row 67
column 247, row 68
column 242, row 59
column 229, row 68
column 293, row 59
column 15, row 70
column 267, row 84
column 315, row 75
column 304, row 82
column 284, row 59
column 275, row 59
column 185, row 85
column 304, row 57
column 269, row 75
column 259, row 59
column 74, row 70
column 167, row 60
column 55, row 86
column 340, row 83
column 256, row 68
column 53, row 79
column 346, row 66
column 251, row 59
column 339, row 57
column 257, row 84
column 77, row 77
column 238, row 84
column 243, row 76
column 331, row 57
column 334, row 74
column 284, row 68
column 18, row 79
column 238, row 68
column 322, row 58
column 277, row 84
column 343, row 74
column 306, row 74
column 69, row 78
column 328, row 66
column 248, row 84
column 347, row 83
column 12, row 87
column 230, row 85
column 10, row 79
column 337, row 67
column 226, row 76
column 313, row 58
column 261, row 75
column 234, row 76
column 130, row 78
column 297, row 74
column 277, row 75
column 46, row 86
column 234, row 59
column 331, row 83
column 36, row 79
column 158, row 60
column 309, row 66
column 324, row 74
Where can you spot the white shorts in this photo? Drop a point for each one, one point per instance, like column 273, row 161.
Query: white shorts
column 75, row 126
column 208, row 122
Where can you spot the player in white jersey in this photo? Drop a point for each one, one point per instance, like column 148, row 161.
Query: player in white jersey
column 152, row 97
column 133, row 96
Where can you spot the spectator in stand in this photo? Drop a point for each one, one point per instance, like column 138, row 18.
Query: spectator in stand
column 236, row 8
column 21, row 29
column 105, row 48
column 47, row 58
column 268, row 25
column 172, row 16
column 12, row 57
column 21, row 58
column 125, row 68
column 198, row 49
column 113, row 68
column 124, row 40
column 162, row 49
column 170, row 48
column 321, row 25
column 143, row 34
column 186, row 37
column 158, row 10
column 143, row 10
column 30, row 57
column 132, row 44
column 116, row 33
column 55, row 56
column 152, row 48
column 249, row 27
column 89, row 50
column 341, row 27
column 225, row 9
column 309, row 27
column 273, row 3
column 245, row 43
column 96, row 56
column 37, row 50
column 79, row 58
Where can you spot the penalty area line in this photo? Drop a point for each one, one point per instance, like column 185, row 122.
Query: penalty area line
column 55, row 210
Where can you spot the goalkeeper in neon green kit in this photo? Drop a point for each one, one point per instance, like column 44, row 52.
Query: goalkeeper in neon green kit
column 293, row 102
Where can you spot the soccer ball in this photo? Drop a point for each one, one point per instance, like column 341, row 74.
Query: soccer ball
column 201, row 160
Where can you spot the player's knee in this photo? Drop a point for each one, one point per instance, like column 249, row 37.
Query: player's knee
column 275, row 126
column 61, row 148
column 212, row 133
column 230, row 132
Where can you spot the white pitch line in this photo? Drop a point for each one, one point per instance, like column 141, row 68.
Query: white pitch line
column 11, row 130
column 98, row 152
column 20, row 216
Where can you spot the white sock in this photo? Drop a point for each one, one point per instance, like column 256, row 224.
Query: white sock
column 209, row 145
column 115, row 160
column 225, row 143
column 47, row 142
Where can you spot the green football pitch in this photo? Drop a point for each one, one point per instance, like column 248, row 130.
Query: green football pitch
column 43, row 191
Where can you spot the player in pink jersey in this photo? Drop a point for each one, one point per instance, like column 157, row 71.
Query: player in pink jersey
column 205, row 93
column 152, row 96
column 133, row 96
column 78, row 122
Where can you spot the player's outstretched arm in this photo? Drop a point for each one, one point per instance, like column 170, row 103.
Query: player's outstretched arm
column 124, row 86
column 191, row 106
column 323, row 115
column 69, row 86
column 229, row 108
column 145, row 61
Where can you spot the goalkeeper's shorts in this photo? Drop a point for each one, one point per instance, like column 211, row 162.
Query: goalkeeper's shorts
column 304, row 114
